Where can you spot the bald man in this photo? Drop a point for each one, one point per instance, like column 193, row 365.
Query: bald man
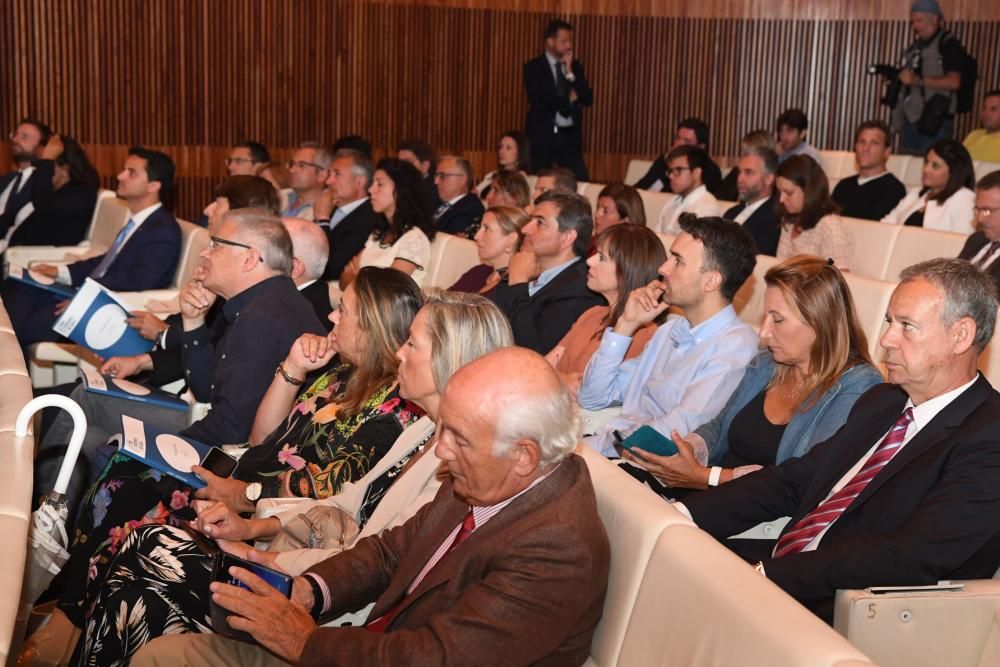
column 507, row 565
column 311, row 249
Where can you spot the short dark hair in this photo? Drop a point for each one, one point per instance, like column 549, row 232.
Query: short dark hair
column 574, row 214
column 249, row 192
column 729, row 249
column 879, row 125
column 804, row 172
column 699, row 127
column 961, row 173
column 564, row 179
column 44, row 130
column 159, row 168
column 356, row 143
column 555, row 25
column 420, row 148
column 413, row 208
column 696, row 157
column 75, row 159
column 793, row 118
column 523, row 149
column 258, row 151
column 989, row 181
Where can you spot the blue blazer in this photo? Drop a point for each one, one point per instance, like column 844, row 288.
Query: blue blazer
column 805, row 429
column 148, row 260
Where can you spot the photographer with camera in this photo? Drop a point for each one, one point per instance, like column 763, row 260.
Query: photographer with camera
column 923, row 111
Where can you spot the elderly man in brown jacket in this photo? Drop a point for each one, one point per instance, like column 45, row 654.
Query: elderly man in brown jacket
column 508, row 565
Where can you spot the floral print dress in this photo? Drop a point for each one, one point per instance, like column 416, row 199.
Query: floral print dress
column 311, row 454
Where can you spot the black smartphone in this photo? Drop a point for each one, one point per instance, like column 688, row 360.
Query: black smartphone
column 220, row 572
column 219, row 463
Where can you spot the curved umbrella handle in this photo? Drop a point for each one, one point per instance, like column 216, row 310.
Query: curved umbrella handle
column 75, row 440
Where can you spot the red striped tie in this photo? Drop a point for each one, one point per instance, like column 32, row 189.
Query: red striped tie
column 815, row 522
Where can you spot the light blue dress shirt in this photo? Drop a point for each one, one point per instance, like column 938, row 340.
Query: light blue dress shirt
column 545, row 277
column 682, row 379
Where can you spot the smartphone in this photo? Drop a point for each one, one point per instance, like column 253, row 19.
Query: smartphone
column 220, row 572
column 219, row 463
column 649, row 440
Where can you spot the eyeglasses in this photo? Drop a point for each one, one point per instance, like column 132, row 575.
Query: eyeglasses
column 445, row 174
column 214, row 242
column 302, row 164
column 985, row 210
column 239, row 160
column 677, row 171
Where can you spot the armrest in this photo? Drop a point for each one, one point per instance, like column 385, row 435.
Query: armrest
column 23, row 254
column 140, row 300
column 922, row 627
column 769, row 530
column 591, row 420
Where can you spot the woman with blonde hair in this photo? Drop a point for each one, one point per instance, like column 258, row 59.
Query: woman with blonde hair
column 795, row 393
column 499, row 236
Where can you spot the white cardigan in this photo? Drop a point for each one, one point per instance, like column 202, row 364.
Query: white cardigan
column 954, row 215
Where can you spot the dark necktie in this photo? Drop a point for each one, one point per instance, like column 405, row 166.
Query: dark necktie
column 13, row 193
column 562, row 84
column 113, row 251
column 442, row 209
column 828, row 511
column 382, row 622
column 981, row 262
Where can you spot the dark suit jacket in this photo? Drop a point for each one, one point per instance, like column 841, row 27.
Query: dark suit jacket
column 539, row 322
column 348, row 238
column 318, row 295
column 16, row 201
column 147, row 261
column 933, row 513
column 462, row 215
column 973, row 245
column 525, row 588
column 544, row 100
column 762, row 224
column 61, row 217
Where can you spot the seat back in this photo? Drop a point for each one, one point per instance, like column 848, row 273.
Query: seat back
column 913, row 172
column 982, row 167
column 873, row 244
column 636, row 170
column 194, row 240
column 110, row 215
column 591, row 191
column 633, row 517
column 749, row 300
column 451, row 257
column 652, row 204
column 871, row 300
column 101, row 194
column 916, row 244
column 897, row 164
column 700, row 604
column 838, row 164
column 989, row 362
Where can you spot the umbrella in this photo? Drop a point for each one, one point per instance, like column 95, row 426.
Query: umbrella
column 48, row 543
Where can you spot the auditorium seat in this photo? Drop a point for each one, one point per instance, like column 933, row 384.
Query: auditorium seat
column 652, row 205
column 15, row 494
column 110, row 215
column 194, row 240
column 897, row 164
column 871, row 300
column 873, row 244
column 699, row 604
column 590, row 191
column 983, row 167
column 989, row 360
column 838, row 165
column 916, row 244
column 913, row 172
column 924, row 628
column 451, row 256
column 749, row 300
column 636, row 170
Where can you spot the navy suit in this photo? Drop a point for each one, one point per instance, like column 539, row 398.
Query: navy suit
column 348, row 238
column 549, row 145
column 931, row 514
column 15, row 202
column 148, row 260
column 461, row 217
column 762, row 224
column 973, row 245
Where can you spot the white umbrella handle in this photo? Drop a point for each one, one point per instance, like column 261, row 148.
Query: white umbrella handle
column 75, row 440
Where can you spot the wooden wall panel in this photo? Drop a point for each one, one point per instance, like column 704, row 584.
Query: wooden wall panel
column 195, row 76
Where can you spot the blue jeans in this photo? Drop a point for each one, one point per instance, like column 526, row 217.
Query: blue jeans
column 912, row 142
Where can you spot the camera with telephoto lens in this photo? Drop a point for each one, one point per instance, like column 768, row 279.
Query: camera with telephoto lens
column 893, row 84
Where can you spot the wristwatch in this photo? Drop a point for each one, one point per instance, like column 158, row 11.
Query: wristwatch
column 252, row 492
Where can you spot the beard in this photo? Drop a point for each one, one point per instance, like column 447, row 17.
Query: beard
column 21, row 155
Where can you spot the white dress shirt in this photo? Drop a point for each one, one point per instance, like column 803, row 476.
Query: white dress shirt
column 699, row 201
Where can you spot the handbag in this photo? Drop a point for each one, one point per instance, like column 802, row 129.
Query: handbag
column 321, row 527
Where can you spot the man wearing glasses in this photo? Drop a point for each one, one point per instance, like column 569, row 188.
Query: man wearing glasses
column 685, row 169
column 247, row 159
column 308, row 172
column 460, row 210
column 983, row 247
column 26, row 143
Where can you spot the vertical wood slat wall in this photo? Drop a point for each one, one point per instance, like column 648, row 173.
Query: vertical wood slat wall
column 195, row 76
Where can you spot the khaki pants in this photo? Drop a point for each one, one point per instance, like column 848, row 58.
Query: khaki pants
column 203, row 650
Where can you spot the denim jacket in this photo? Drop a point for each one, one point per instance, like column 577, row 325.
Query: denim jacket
column 805, row 429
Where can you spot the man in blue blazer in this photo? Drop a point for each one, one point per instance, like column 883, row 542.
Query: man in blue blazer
column 557, row 92
column 908, row 491
column 143, row 256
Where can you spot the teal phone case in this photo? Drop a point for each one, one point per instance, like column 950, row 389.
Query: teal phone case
column 650, row 440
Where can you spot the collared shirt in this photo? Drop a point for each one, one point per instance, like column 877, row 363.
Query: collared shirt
column 982, row 253
column 561, row 120
column 750, row 209
column 699, row 201
column 293, row 208
column 137, row 218
column 233, row 372
column 923, row 414
column 546, row 276
column 8, row 192
column 342, row 212
column 680, row 381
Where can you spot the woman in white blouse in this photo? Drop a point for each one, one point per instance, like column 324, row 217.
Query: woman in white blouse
column 809, row 221
column 404, row 230
column 945, row 198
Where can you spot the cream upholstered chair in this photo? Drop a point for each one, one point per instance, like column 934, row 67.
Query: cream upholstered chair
column 749, row 300
column 16, row 454
column 871, row 300
column 838, row 165
column 110, row 215
column 591, row 191
column 451, row 257
column 699, row 604
column 636, row 170
column 982, row 167
column 652, row 204
column 898, row 165
column 916, row 244
column 194, row 240
column 913, row 172
column 989, row 360
column 873, row 246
